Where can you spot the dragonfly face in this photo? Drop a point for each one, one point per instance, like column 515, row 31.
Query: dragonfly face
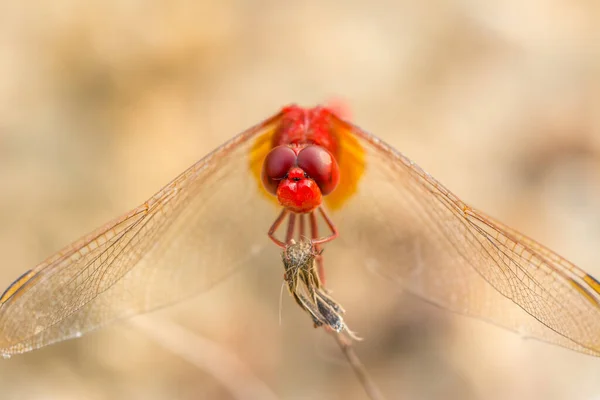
column 385, row 213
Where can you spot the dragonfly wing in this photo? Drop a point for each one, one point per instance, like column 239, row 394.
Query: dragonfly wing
column 193, row 233
column 415, row 231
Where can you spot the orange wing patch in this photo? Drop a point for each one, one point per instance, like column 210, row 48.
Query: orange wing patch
column 351, row 160
column 350, row 157
column 260, row 149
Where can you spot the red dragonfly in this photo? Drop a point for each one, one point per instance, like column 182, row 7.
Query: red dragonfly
column 328, row 181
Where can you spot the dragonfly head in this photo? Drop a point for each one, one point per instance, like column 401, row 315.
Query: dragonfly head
column 300, row 176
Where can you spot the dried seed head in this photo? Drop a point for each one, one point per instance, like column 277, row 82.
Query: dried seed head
column 305, row 287
column 299, row 255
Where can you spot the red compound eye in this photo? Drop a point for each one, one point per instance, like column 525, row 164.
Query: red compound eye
column 276, row 165
column 320, row 166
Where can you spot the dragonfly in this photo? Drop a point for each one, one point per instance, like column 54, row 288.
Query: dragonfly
column 303, row 173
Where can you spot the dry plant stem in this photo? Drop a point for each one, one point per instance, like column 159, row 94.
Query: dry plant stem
column 359, row 369
column 206, row 355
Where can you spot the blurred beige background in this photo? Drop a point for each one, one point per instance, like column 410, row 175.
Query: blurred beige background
column 103, row 102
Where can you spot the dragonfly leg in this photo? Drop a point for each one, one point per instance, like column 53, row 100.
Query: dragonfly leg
column 330, row 224
column 302, row 227
column 290, row 229
column 317, row 241
column 314, row 231
column 275, row 226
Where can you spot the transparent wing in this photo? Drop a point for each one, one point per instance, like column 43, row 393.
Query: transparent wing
column 407, row 226
column 172, row 246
